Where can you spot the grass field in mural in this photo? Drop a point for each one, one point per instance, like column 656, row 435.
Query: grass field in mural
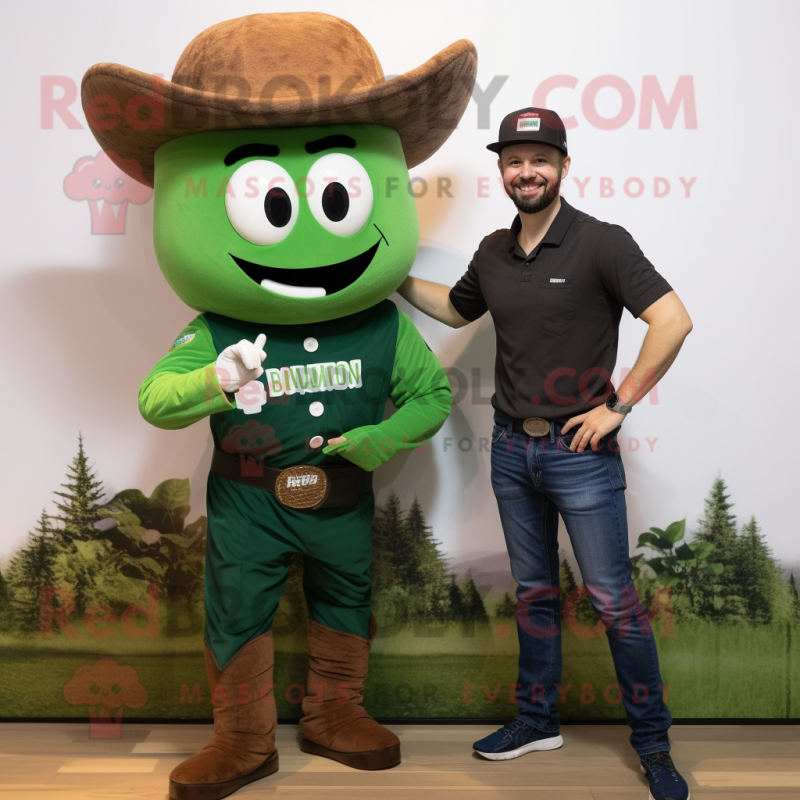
column 709, row 671
column 101, row 615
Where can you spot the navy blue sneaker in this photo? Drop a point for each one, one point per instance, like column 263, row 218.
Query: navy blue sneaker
column 665, row 781
column 514, row 740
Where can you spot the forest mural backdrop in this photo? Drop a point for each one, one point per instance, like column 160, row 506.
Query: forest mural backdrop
column 109, row 591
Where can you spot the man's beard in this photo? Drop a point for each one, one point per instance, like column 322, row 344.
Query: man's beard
column 533, row 205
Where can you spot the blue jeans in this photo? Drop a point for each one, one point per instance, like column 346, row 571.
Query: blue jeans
column 535, row 480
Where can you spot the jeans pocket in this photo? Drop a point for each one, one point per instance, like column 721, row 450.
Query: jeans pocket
column 498, row 432
column 563, row 443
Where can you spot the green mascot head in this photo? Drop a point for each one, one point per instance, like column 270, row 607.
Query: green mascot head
column 288, row 225
column 279, row 158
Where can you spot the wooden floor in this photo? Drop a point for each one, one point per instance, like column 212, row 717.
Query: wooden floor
column 61, row 762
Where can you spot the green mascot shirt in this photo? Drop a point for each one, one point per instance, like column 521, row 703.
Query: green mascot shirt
column 321, row 380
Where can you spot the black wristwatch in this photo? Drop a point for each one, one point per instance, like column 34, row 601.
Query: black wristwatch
column 613, row 403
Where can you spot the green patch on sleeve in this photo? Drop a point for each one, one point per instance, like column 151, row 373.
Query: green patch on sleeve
column 182, row 340
column 183, row 387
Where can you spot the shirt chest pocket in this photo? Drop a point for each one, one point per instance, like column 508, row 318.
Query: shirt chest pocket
column 555, row 305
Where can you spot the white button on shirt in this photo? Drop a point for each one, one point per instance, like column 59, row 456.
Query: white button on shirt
column 316, row 409
column 311, row 344
column 316, row 441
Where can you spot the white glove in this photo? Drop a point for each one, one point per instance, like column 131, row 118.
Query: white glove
column 240, row 363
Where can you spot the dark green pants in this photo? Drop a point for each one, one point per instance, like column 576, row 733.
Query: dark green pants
column 251, row 540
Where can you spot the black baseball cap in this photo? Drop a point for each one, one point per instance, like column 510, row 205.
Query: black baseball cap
column 531, row 125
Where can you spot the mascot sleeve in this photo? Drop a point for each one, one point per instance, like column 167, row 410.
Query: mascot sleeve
column 421, row 392
column 183, row 387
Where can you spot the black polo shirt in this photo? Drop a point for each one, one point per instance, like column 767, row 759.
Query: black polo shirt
column 556, row 311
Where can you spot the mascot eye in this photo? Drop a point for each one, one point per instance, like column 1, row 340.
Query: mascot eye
column 261, row 202
column 340, row 194
column 97, row 182
column 119, row 183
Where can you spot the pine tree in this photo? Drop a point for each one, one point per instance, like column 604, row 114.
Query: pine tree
column 439, row 601
column 757, row 574
column 720, row 600
column 418, row 546
column 455, row 600
column 389, row 556
column 42, row 552
column 718, row 525
column 85, row 552
column 584, row 611
column 426, row 573
column 474, row 609
column 381, row 570
column 506, row 608
column 5, row 604
column 566, row 580
column 30, row 569
column 795, row 595
column 409, row 572
column 84, row 490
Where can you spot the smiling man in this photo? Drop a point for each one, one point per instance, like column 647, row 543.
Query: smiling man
column 556, row 284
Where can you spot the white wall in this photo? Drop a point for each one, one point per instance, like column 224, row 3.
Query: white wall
column 84, row 317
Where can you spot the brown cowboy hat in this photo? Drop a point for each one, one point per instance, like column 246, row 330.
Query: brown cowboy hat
column 276, row 71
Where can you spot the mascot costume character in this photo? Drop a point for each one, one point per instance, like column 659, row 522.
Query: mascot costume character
column 279, row 158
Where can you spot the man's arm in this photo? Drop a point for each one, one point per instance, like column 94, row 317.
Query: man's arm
column 432, row 299
column 669, row 324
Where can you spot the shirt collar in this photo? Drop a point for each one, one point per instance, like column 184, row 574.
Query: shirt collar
column 555, row 233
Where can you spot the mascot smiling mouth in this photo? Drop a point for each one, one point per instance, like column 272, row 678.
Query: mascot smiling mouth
column 312, row 281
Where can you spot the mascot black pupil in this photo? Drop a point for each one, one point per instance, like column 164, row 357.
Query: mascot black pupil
column 335, row 202
column 278, row 207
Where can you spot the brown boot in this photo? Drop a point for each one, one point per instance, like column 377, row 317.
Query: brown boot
column 335, row 724
column 243, row 747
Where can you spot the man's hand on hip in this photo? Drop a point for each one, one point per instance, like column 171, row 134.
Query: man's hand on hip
column 593, row 425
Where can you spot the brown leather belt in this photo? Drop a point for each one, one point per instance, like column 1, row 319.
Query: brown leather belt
column 302, row 487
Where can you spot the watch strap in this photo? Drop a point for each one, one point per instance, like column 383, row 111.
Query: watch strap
column 618, row 406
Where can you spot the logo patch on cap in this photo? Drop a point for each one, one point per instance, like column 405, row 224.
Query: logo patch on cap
column 528, row 124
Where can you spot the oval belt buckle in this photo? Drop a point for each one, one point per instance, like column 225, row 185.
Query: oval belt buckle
column 536, row 426
column 301, row 487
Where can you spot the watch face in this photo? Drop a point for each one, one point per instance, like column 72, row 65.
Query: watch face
column 613, row 399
